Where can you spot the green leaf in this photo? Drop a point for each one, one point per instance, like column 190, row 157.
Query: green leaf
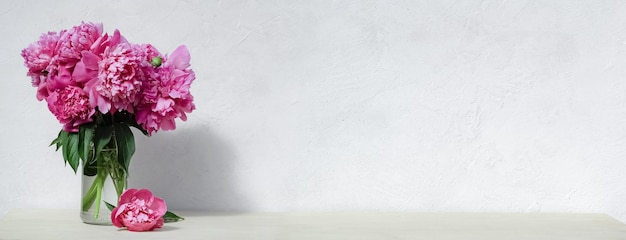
column 56, row 140
column 171, row 217
column 70, row 151
column 101, row 138
column 60, row 140
column 138, row 127
column 85, row 133
column 125, row 144
column 109, row 206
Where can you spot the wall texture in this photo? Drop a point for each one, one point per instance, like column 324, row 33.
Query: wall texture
column 515, row 106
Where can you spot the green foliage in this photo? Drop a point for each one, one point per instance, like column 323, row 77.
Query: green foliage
column 60, row 139
column 90, row 142
column 108, row 132
column 70, row 151
column 171, row 217
column 125, row 142
column 85, row 142
column 109, row 206
column 138, row 127
column 101, row 138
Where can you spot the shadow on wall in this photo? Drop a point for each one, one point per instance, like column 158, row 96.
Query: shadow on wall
column 191, row 169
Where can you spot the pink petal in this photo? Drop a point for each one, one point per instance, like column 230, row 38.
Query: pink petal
column 87, row 68
column 117, row 38
column 145, row 195
column 81, row 74
column 163, row 104
column 168, row 124
column 91, row 60
column 180, row 58
column 159, row 206
column 95, row 99
column 159, row 223
column 176, row 73
column 140, row 227
column 42, row 91
column 127, row 196
column 183, row 116
column 114, row 216
column 98, row 26
column 60, row 81
column 97, row 45
column 70, row 128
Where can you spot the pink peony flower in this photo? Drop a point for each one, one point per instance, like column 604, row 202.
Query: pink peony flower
column 120, row 76
column 71, row 107
column 149, row 52
column 51, row 60
column 105, row 41
column 86, row 71
column 72, row 42
column 113, row 74
column 38, row 58
column 139, row 210
column 167, row 96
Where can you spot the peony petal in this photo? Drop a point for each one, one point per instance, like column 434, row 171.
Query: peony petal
column 91, row 60
column 61, row 80
column 114, row 216
column 98, row 45
column 51, row 100
column 163, row 104
column 42, row 91
column 87, row 68
column 98, row 26
column 178, row 73
column 168, row 124
column 70, row 128
column 97, row 100
column 127, row 196
column 117, row 38
column 158, row 205
column 145, row 195
column 120, row 209
column 81, row 74
column 140, row 227
column 159, row 223
column 180, row 58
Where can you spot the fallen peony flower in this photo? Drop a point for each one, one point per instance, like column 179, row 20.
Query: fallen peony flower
column 139, row 210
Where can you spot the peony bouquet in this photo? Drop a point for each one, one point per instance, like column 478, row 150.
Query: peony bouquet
column 98, row 86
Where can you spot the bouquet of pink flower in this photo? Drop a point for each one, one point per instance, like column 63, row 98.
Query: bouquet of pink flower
column 98, row 86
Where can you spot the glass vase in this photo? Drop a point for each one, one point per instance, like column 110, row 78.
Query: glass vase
column 103, row 180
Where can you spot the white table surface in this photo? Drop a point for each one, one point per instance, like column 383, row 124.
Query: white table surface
column 66, row 224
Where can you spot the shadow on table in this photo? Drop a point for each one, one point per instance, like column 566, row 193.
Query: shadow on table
column 167, row 227
column 191, row 169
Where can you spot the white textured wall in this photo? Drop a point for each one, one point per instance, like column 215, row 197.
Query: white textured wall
column 515, row 106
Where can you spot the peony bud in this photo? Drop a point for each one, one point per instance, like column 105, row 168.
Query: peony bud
column 156, row 61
